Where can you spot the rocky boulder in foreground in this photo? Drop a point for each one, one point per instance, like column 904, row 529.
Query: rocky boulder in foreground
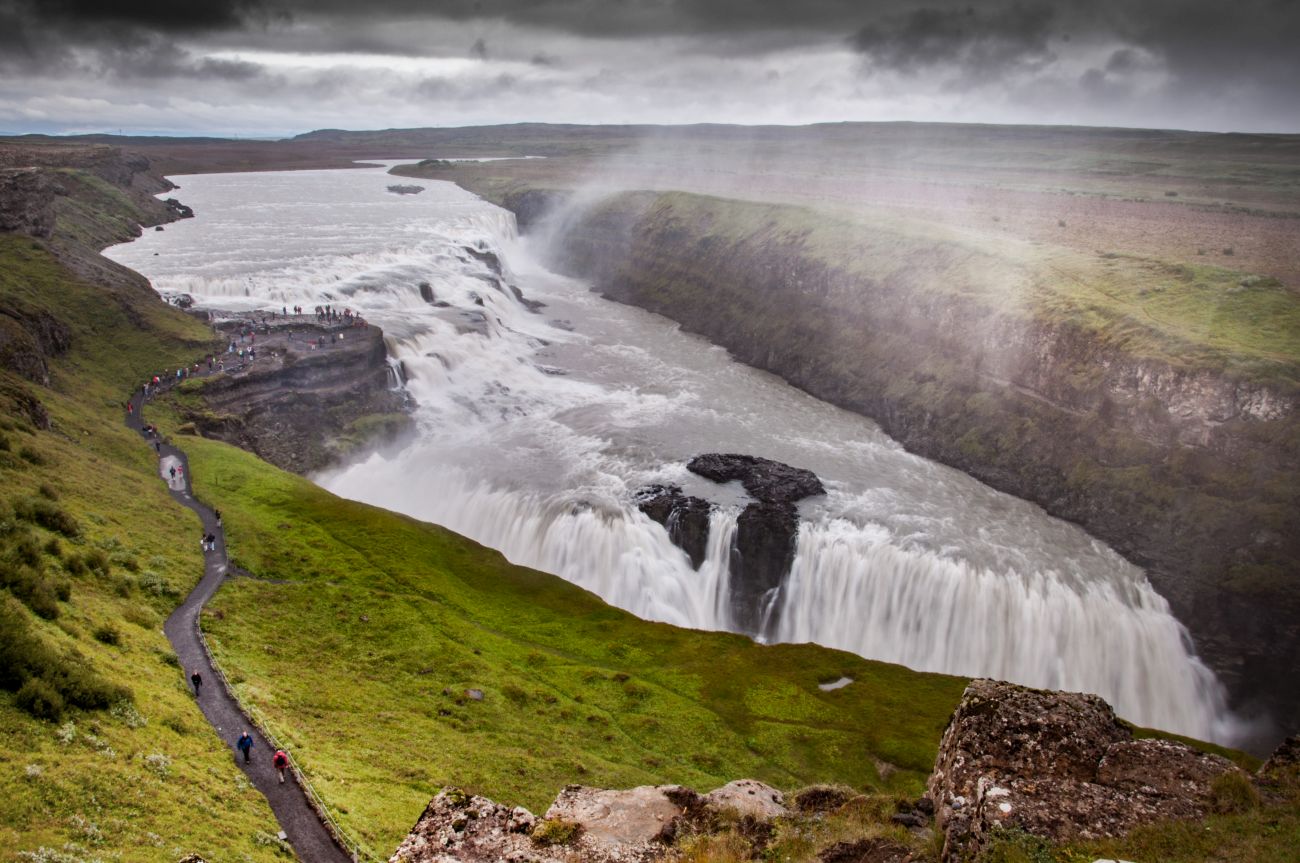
column 1058, row 765
column 591, row 825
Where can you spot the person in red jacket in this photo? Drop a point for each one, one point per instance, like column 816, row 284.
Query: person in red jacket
column 281, row 762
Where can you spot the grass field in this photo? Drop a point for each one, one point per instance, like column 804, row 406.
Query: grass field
column 366, row 629
column 143, row 777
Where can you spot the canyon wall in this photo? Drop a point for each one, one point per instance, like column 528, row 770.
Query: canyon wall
column 1185, row 468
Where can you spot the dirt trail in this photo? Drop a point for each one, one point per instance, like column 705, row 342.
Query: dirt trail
column 306, row 832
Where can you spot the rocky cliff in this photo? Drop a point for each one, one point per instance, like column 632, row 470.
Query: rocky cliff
column 1184, row 461
column 313, row 394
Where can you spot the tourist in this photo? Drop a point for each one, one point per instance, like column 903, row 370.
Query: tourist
column 281, row 762
column 245, row 745
column 197, row 680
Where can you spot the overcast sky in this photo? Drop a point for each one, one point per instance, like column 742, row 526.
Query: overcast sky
column 277, row 67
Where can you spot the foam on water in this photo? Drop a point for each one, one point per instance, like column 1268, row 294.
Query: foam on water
column 537, row 430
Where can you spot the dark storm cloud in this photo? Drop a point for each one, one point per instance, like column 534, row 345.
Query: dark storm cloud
column 1124, row 62
column 980, row 41
column 167, row 16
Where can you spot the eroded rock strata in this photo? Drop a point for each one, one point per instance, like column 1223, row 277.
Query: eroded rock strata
column 302, row 407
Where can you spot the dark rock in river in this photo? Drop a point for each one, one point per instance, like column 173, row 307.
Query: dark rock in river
column 486, row 257
column 178, row 209
column 685, row 518
column 768, row 481
column 765, row 533
column 426, row 292
column 406, row 190
column 1058, row 765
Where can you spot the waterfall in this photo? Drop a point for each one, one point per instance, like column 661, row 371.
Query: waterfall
column 537, row 430
column 851, row 588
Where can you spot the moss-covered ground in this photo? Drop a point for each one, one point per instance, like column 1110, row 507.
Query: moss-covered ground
column 364, row 632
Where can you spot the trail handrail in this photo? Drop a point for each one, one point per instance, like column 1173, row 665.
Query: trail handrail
column 353, row 846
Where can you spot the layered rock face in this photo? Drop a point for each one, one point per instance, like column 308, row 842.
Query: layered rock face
column 765, row 532
column 1058, row 765
column 303, row 408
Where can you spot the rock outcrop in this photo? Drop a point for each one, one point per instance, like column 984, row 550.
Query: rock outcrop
column 685, row 518
column 765, row 532
column 1284, row 763
column 304, row 408
column 1058, row 765
column 590, row 825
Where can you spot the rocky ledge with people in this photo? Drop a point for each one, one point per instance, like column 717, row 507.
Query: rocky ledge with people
column 299, row 390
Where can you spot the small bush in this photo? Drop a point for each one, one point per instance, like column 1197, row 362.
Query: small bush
column 62, row 589
column 75, row 564
column 1233, row 792
column 556, row 831
column 106, row 633
column 152, row 582
column 97, row 559
column 141, row 615
column 83, row 688
column 40, row 700
column 52, row 547
column 47, row 491
column 125, row 560
column 48, row 515
column 30, row 455
column 42, row 599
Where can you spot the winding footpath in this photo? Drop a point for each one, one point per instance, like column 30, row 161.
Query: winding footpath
column 311, row 839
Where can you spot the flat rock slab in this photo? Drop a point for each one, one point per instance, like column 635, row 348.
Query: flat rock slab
column 632, row 817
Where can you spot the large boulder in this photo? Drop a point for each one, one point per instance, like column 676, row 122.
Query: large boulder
column 623, row 822
column 1058, row 765
column 749, row 798
column 457, row 826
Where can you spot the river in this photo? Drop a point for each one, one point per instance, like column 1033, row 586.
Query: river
column 536, row 429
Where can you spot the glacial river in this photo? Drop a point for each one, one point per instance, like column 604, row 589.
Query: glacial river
column 537, row 429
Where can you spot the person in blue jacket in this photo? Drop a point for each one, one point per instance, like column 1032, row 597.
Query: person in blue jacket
column 245, row 745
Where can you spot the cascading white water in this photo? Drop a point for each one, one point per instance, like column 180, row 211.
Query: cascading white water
column 536, row 431
column 851, row 588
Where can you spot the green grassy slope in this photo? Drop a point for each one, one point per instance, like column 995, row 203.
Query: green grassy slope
column 365, row 629
column 146, row 777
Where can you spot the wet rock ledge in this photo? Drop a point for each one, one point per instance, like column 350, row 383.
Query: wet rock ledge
column 765, row 532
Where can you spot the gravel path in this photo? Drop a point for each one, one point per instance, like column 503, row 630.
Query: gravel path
column 311, row 839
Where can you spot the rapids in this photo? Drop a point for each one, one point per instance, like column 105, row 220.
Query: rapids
column 536, row 430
